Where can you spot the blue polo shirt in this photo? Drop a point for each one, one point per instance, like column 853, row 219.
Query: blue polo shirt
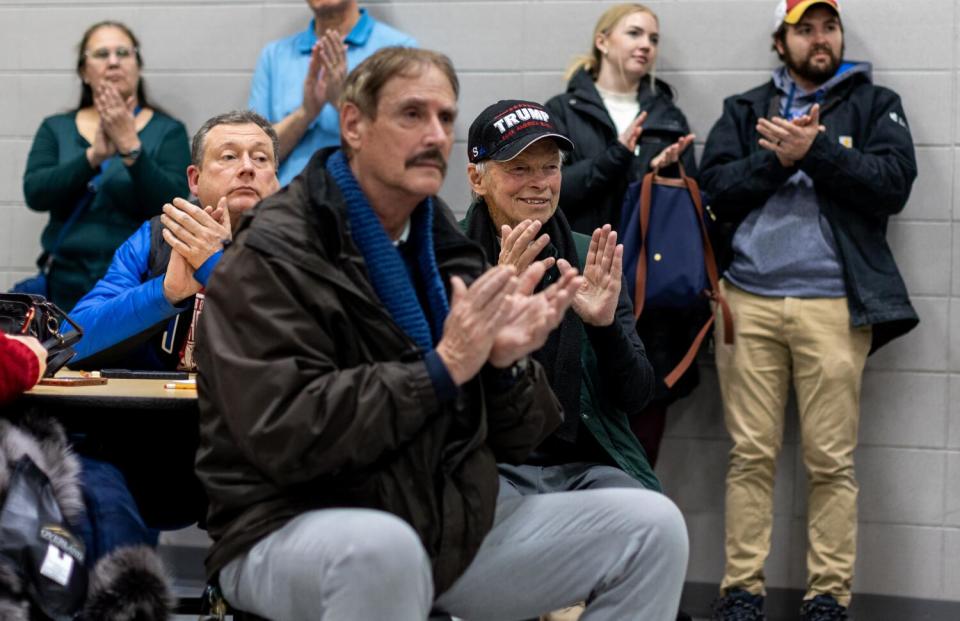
column 277, row 88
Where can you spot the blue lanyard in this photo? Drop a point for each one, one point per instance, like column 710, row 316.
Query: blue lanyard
column 788, row 106
column 786, row 110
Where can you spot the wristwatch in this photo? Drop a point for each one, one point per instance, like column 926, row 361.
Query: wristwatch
column 504, row 379
column 132, row 154
column 518, row 369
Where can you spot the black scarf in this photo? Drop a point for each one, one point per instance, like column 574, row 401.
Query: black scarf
column 560, row 355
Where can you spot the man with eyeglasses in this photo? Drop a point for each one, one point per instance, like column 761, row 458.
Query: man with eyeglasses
column 298, row 78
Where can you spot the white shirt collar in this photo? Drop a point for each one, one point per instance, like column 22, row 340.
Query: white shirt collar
column 404, row 235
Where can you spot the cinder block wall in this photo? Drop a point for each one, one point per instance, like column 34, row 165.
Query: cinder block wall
column 199, row 56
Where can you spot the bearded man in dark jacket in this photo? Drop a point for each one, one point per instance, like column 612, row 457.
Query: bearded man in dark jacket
column 361, row 375
column 807, row 169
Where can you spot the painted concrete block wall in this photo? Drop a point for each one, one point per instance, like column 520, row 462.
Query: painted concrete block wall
column 199, row 56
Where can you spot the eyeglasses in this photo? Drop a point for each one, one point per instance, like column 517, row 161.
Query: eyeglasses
column 103, row 53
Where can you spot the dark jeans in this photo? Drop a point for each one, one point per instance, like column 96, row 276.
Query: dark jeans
column 112, row 519
column 649, row 426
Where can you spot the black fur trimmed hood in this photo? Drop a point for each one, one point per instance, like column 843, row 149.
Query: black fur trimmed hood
column 129, row 584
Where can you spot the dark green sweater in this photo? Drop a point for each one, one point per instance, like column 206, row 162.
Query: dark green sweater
column 57, row 176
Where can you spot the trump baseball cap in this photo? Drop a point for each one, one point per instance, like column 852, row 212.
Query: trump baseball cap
column 503, row 130
column 790, row 11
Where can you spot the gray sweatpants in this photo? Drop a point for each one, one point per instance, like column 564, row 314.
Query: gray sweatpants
column 624, row 551
column 526, row 480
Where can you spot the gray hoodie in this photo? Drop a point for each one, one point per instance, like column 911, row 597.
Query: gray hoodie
column 786, row 248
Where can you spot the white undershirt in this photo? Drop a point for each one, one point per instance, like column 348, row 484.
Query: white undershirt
column 623, row 108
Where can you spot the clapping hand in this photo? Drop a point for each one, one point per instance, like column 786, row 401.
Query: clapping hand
column 101, row 149
column 518, row 246
column 116, row 117
column 671, row 155
column 790, row 140
column 631, row 134
column 326, row 73
column 596, row 299
column 476, row 312
column 194, row 236
column 532, row 317
column 195, row 233
column 499, row 320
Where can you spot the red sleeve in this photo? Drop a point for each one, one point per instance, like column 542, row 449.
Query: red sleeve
column 19, row 368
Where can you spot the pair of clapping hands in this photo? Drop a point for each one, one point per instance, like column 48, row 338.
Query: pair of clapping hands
column 667, row 157
column 499, row 319
column 117, row 130
column 326, row 73
column 194, row 235
column 595, row 300
column 790, row 140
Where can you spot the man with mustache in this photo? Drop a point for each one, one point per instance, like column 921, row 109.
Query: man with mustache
column 141, row 314
column 363, row 370
column 806, row 169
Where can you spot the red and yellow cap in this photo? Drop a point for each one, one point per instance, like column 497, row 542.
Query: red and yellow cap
column 790, row 11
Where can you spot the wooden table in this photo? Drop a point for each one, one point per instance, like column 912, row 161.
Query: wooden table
column 133, row 394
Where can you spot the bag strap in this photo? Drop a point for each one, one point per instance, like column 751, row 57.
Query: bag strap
column 713, row 293
column 710, row 261
column 92, row 187
column 640, row 292
column 51, row 254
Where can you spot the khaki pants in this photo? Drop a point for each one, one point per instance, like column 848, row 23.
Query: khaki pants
column 811, row 343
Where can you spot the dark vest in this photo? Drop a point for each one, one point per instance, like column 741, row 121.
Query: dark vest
column 157, row 347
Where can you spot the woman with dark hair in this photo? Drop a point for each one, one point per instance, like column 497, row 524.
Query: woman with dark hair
column 103, row 168
column 624, row 123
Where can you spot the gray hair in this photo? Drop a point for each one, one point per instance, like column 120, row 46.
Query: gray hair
column 234, row 117
column 481, row 168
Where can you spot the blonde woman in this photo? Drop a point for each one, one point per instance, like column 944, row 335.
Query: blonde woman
column 622, row 119
column 624, row 122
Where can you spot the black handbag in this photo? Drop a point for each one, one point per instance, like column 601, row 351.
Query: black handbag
column 33, row 315
column 36, row 544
